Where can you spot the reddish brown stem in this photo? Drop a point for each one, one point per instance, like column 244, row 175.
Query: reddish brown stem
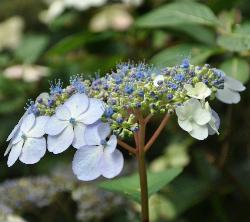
column 126, row 146
column 157, row 132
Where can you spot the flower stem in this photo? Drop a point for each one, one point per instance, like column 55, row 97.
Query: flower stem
column 157, row 132
column 142, row 171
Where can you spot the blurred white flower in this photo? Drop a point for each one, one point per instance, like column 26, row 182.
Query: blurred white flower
column 28, row 73
column 67, row 126
column 113, row 17
column 26, row 140
column 199, row 91
column 100, row 157
column 193, row 118
column 230, row 94
column 120, row 21
column 158, row 80
column 11, row 32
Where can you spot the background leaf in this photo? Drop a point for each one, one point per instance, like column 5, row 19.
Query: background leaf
column 31, row 48
column 234, row 42
column 130, row 186
column 237, row 68
column 178, row 13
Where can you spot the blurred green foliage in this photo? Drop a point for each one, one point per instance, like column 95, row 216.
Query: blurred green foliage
column 215, row 183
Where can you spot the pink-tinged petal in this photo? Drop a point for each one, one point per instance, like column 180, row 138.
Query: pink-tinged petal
column 111, row 144
column 38, row 130
column 228, row 96
column 199, row 132
column 111, row 164
column 234, row 84
column 86, row 162
column 55, row 126
column 33, row 150
column 77, row 104
column 79, row 135
column 15, row 152
column 59, row 143
column 28, row 122
column 63, row 113
column 93, row 113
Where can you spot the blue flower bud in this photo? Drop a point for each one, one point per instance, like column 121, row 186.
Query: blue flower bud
column 109, row 112
column 185, row 63
column 129, row 89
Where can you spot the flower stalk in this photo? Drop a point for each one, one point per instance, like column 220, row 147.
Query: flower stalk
column 142, row 170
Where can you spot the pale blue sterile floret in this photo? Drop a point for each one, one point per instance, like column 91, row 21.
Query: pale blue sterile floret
column 230, row 93
column 26, row 140
column 98, row 158
column 67, row 126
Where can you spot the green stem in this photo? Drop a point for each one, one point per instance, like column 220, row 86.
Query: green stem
column 143, row 172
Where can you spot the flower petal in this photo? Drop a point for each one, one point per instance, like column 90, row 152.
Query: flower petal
column 79, row 135
column 234, row 84
column 214, row 124
column 38, row 130
column 228, row 96
column 55, row 126
column 15, row 152
column 202, row 116
column 86, row 162
column 13, row 132
column 111, row 164
column 111, row 144
column 33, row 150
column 199, row 132
column 77, row 104
column 63, row 113
column 96, row 132
column 28, row 122
column 185, row 125
column 93, row 113
column 59, row 143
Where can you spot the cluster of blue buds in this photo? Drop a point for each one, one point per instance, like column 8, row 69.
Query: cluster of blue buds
column 91, row 114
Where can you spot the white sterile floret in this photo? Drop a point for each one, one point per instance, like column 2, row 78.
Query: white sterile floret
column 214, row 123
column 158, row 79
column 193, row 118
column 26, row 140
column 199, row 91
column 100, row 157
column 230, row 93
column 68, row 124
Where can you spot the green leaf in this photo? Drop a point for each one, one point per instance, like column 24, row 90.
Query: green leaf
column 130, row 186
column 243, row 28
column 174, row 55
column 76, row 41
column 31, row 48
column 234, row 41
column 206, row 35
column 178, row 13
column 237, row 68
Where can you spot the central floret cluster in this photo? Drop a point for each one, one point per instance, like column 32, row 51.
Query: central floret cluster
column 86, row 113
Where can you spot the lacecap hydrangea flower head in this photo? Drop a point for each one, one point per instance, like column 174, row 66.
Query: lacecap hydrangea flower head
column 95, row 115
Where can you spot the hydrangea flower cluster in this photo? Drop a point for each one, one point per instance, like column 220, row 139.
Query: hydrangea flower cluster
column 93, row 115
